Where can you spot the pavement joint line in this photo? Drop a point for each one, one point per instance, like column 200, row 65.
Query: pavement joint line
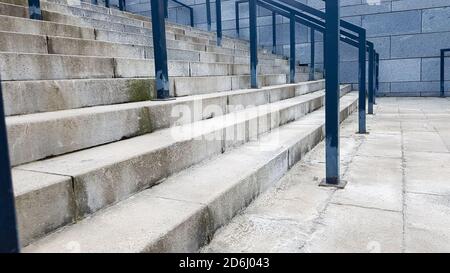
column 379, row 156
column 404, row 163
column 439, row 134
column 427, row 193
column 365, row 207
column 317, row 220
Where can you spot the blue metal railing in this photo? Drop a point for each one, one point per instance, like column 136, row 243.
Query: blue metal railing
column 218, row 19
column 9, row 242
column 34, row 9
column 328, row 23
column 442, row 77
column 190, row 9
column 357, row 40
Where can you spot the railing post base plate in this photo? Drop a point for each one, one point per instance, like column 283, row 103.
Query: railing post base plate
column 165, row 99
column 332, row 184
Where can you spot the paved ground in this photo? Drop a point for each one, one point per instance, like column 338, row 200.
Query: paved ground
column 397, row 198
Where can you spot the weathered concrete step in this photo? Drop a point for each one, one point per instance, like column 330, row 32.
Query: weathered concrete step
column 80, row 17
column 118, row 16
column 23, row 25
column 108, row 15
column 25, row 66
column 182, row 213
column 28, row 43
column 28, row 97
column 36, row 136
column 27, row 26
column 107, row 174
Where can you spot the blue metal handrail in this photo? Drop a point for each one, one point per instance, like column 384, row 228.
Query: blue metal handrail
column 332, row 27
column 34, row 9
column 191, row 10
column 358, row 41
column 218, row 19
column 443, row 51
column 9, row 242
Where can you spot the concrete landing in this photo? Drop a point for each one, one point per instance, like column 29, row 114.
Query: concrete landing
column 397, row 198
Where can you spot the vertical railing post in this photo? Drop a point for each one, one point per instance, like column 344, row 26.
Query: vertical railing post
column 237, row 15
column 107, row 3
column 160, row 50
column 371, row 77
column 9, row 239
column 253, row 44
column 166, row 9
column 122, row 5
column 34, row 8
column 312, row 69
column 292, row 48
column 332, row 94
column 274, row 33
column 208, row 14
column 377, row 75
column 219, row 21
column 362, row 83
column 442, row 77
column 191, row 14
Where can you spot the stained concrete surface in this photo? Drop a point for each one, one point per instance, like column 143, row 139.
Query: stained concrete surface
column 397, row 198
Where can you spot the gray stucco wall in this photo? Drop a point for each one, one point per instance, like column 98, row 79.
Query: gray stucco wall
column 408, row 34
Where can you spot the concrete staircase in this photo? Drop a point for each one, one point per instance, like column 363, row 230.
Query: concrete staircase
column 99, row 167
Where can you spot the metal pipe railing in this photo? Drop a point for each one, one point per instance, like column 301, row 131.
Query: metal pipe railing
column 377, row 76
column 442, row 77
column 371, row 77
column 208, row 14
column 357, row 40
column 292, row 48
column 9, row 240
column 274, row 33
column 219, row 22
column 312, row 68
column 332, row 94
column 191, row 10
column 253, row 44
column 34, row 8
column 160, row 49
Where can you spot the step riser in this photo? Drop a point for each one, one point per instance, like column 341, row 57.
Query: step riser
column 33, row 27
column 81, row 12
column 19, row 25
column 196, row 231
column 98, row 188
column 21, row 67
column 199, row 222
column 27, row 97
column 33, row 140
column 75, row 11
column 78, row 17
column 15, row 42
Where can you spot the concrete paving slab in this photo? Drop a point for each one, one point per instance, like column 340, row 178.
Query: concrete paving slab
column 374, row 182
column 427, row 173
column 427, row 226
column 383, row 145
column 355, row 229
column 423, row 142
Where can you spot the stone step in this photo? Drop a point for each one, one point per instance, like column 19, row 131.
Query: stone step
column 28, row 43
column 37, row 136
column 97, row 20
column 28, row 97
column 104, row 175
column 27, row 66
column 182, row 213
column 105, row 14
column 36, row 27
